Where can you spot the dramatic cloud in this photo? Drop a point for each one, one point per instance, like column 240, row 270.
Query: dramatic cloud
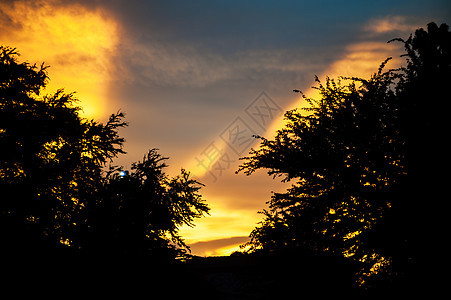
column 76, row 42
column 218, row 247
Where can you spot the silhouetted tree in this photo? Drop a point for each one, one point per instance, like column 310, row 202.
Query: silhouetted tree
column 53, row 189
column 140, row 212
column 364, row 162
column 414, row 229
column 51, row 158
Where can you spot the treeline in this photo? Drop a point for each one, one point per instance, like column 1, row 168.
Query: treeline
column 57, row 195
column 367, row 163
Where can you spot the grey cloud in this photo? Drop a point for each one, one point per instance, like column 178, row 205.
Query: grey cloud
column 174, row 66
column 191, row 67
column 200, row 248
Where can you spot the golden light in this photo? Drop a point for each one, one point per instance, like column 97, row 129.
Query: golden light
column 75, row 42
column 225, row 251
column 359, row 60
column 222, row 223
column 199, row 165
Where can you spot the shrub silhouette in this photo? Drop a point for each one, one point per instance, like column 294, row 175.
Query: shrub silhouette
column 358, row 157
column 56, row 196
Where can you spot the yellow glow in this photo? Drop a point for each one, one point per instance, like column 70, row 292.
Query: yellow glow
column 204, row 158
column 350, row 251
column 360, row 60
column 352, row 235
column 65, row 242
column 363, row 59
column 75, row 42
column 222, row 223
column 223, row 251
column 390, row 24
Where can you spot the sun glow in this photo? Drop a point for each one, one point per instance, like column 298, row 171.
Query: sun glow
column 75, row 42
column 222, row 223
column 225, row 251
column 206, row 158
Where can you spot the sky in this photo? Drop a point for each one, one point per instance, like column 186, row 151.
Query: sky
column 196, row 79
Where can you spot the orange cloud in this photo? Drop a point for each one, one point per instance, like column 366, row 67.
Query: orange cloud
column 222, row 223
column 390, row 24
column 75, row 42
column 234, row 201
column 359, row 60
column 219, row 247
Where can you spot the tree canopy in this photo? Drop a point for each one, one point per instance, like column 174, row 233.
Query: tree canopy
column 140, row 212
column 56, row 194
column 364, row 161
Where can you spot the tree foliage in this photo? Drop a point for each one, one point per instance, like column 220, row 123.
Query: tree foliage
column 54, row 190
column 140, row 212
column 355, row 156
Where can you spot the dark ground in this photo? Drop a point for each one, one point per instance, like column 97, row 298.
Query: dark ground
column 281, row 276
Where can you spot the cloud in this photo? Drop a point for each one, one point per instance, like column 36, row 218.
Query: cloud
column 181, row 44
column 76, row 42
column 177, row 65
column 361, row 59
column 218, row 247
column 169, row 65
column 223, row 221
column 392, row 24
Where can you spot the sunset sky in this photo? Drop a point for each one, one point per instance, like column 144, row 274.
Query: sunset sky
column 197, row 79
